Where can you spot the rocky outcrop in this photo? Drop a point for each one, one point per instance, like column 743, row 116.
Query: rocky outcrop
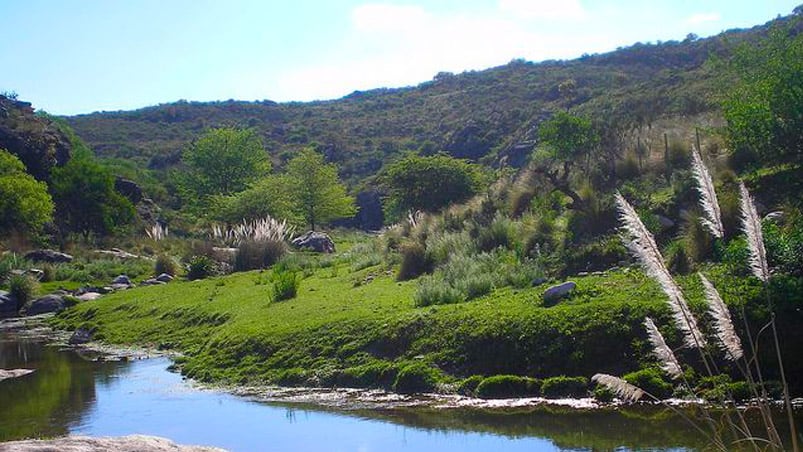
column 132, row 443
column 315, row 241
column 46, row 304
column 559, row 291
column 49, row 256
column 129, row 189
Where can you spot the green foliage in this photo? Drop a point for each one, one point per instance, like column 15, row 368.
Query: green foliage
column 222, row 162
column 22, row 288
column 24, row 202
column 568, row 137
column 285, row 284
column 315, row 188
column 268, row 197
column 256, row 254
column 375, row 374
column 165, row 264
column 468, row 386
column 500, row 233
column 428, row 183
column 415, row 261
column 563, row 386
column 200, row 267
column 763, row 108
column 86, row 201
column 417, row 377
column 651, row 380
column 785, row 243
column 508, row 386
column 433, row 289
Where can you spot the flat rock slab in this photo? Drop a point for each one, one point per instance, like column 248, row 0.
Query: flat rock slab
column 559, row 291
column 51, row 256
column 5, row 374
column 132, row 443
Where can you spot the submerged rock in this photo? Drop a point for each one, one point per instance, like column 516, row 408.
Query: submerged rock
column 556, row 292
column 132, row 443
column 315, row 241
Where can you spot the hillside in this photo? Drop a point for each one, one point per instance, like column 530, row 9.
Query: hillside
column 480, row 115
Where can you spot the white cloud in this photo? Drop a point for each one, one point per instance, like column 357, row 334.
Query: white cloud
column 543, row 9
column 700, row 18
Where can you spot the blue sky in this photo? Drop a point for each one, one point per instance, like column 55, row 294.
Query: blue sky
column 79, row 56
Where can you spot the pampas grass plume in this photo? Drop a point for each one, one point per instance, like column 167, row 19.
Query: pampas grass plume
column 751, row 223
column 666, row 358
column 623, row 389
column 712, row 218
column 726, row 333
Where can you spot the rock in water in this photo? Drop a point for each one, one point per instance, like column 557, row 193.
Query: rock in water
column 132, row 443
column 315, row 241
column 13, row 373
column 48, row 303
column 555, row 293
column 50, row 256
column 80, row 336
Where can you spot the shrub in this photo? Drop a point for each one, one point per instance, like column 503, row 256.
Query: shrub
column 563, row 386
column 441, row 246
column 165, row 264
column 434, row 290
column 468, row 386
column 201, row 267
column 414, row 261
column 603, row 394
column 508, row 386
column 22, row 288
column 364, row 255
column 48, row 273
column 285, row 284
column 650, row 380
column 416, row 377
column 376, row 374
column 256, row 254
column 677, row 259
column 500, row 233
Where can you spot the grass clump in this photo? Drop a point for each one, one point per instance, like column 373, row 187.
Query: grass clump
column 258, row 254
column 200, row 267
column 376, row 374
column 165, row 264
column 416, row 378
column 563, row 386
column 433, row 289
column 508, row 386
column 22, row 288
column 415, row 261
column 468, row 386
column 285, row 284
column 650, row 380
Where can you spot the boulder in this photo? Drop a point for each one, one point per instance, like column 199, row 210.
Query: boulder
column 89, row 296
column 49, row 256
column 315, row 241
column 48, row 303
column 8, row 305
column 122, row 279
column 537, row 281
column 164, row 277
column 80, row 336
column 120, row 286
column 556, row 292
column 129, row 189
column 36, row 274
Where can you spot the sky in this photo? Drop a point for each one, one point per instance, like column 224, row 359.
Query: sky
column 79, row 56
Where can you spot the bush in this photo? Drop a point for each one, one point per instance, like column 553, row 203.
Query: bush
column 376, row 374
column 48, row 273
column 416, row 377
column 650, row 380
column 22, row 288
column 201, row 267
column 677, row 259
column 508, row 386
column 603, row 394
column 414, row 261
column 563, row 386
column 468, row 386
column 434, row 290
column 165, row 264
column 500, row 233
column 285, row 284
column 256, row 254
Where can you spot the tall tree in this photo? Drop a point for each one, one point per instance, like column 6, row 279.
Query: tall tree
column 317, row 193
column 221, row 162
column 24, row 202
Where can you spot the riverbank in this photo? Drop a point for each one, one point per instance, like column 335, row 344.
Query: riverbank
column 133, row 443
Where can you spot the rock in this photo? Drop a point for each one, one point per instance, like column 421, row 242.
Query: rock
column 80, row 336
column 315, row 241
column 538, row 281
column 129, row 189
column 89, row 296
column 164, row 277
column 121, row 279
column 5, row 374
column 118, row 253
column 666, row 223
column 42, row 305
column 49, row 256
column 131, row 443
column 36, row 273
column 556, row 292
column 116, row 287
column 582, row 273
column 152, row 282
column 222, row 254
column 8, row 305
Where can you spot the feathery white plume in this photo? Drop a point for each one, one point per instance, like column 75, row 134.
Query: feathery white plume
column 666, row 358
column 621, row 388
column 643, row 246
column 751, row 223
column 726, row 333
column 712, row 218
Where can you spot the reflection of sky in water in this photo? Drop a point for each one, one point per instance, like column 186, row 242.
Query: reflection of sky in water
column 149, row 400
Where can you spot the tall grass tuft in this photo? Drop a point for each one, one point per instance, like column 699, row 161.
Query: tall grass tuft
column 708, row 196
column 264, row 229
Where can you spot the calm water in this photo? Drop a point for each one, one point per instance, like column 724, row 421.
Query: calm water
column 70, row 395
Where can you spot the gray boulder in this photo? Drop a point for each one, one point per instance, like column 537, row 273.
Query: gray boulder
column 48, row 303
column 556, row 292
column 164, row 277
column 315, row 241
column 152, row 282
column 8, row 305
column 89, row 296
column 120, row 286
column 80, row 336
column 50, row 256
column 122, row 279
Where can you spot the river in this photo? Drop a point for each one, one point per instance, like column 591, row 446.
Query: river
column 69, row 394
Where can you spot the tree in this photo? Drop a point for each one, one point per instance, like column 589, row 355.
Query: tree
column 221, row 162
column 429, row 183
column 317, row 193
column 24, row 202
column 567, row 140
column 764, row 108
column 86, row 201
column 270, row 196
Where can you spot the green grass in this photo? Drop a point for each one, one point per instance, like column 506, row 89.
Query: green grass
column 230, row 331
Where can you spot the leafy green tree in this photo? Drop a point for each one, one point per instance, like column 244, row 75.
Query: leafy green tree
column 429, row 183
column 764, row 108
column 567, row 140
column 315, row 188
column 24, row 202
column 222, row 162
column 86, row 201
column 269, row 196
